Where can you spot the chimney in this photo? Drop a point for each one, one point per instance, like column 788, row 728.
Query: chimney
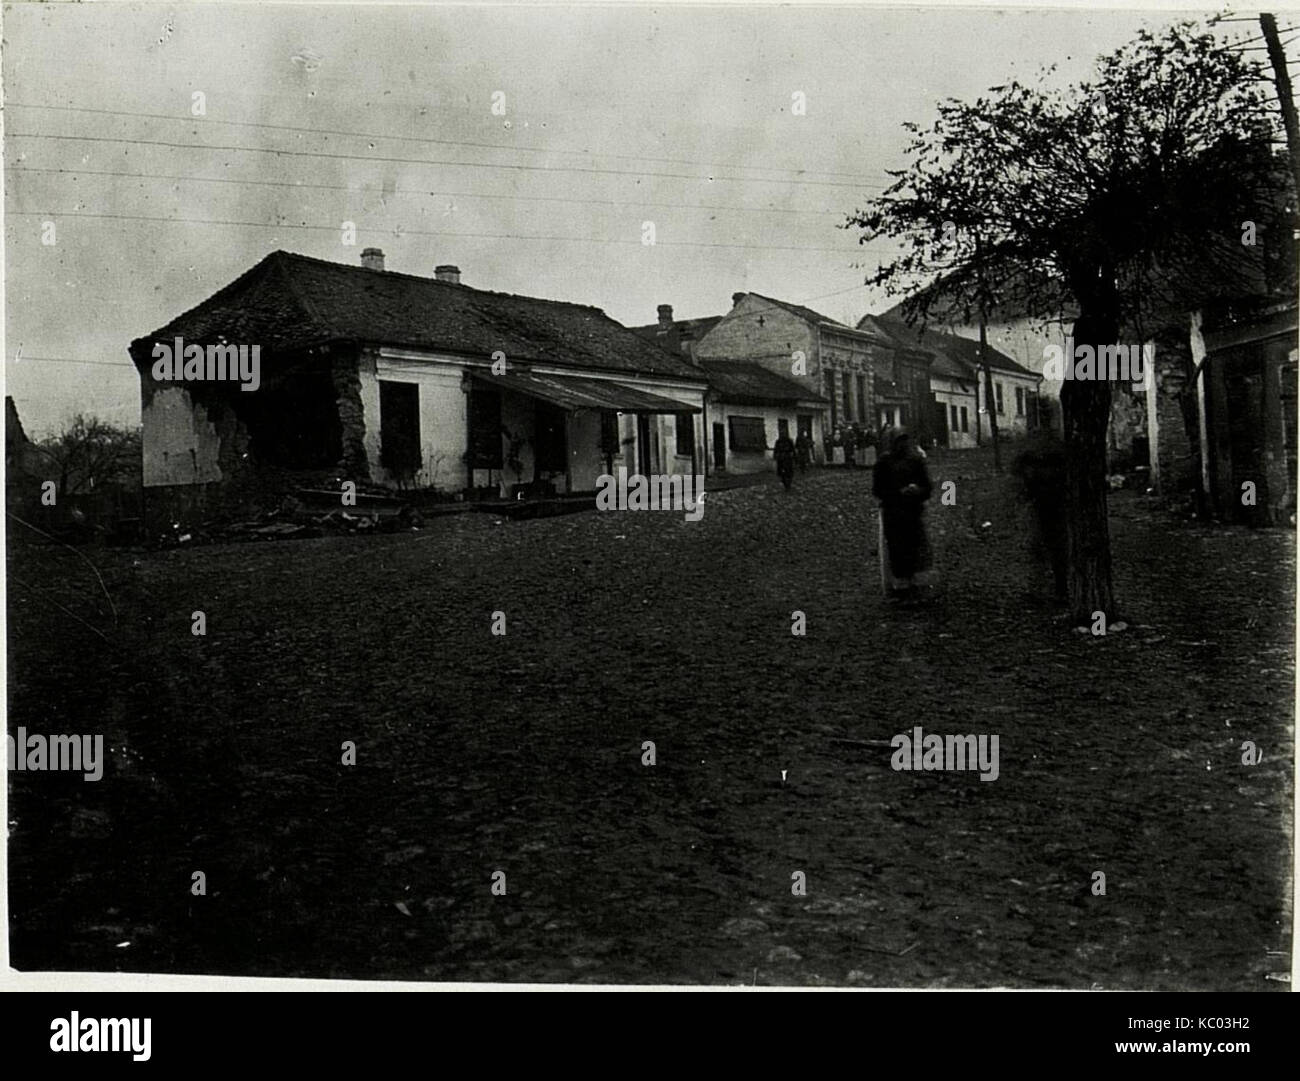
column 447, row 273
column 666, row 316
column 372, row 258
column 736, row 298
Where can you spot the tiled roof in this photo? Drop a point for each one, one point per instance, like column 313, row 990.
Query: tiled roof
column 744, row 382
column 289, row 300
column 960, row 353
column 801, row 311
column 882, row 329
column 946, row 368
column 672, row 338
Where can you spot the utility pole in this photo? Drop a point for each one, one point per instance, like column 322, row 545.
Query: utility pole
column 990, row 403
column 1277, row 57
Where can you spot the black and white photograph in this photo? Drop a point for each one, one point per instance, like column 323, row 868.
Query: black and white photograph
column 618, row 495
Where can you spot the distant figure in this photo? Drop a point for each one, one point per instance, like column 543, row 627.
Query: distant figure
column 850, row 445
column 784, row 453
column 1040, row 469
column 803, row 448
column 869, row 448
column 902, row 484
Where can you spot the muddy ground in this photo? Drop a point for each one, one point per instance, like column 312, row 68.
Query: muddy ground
column 523, row 753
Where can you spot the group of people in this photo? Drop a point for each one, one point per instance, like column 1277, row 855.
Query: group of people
column 901, row 481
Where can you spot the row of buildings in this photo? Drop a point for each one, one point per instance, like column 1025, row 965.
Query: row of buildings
column 405, row 381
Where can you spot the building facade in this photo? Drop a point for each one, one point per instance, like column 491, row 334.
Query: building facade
column 402, row 382
column 958, row 387
column 847, row 373
column 749, row 404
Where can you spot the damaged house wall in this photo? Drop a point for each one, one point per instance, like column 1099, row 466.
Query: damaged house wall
column 346, row 366
column 212, row 450
column 181, row 445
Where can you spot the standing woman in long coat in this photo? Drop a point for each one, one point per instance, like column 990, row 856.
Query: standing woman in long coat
column 783, row 451
column 902, row 484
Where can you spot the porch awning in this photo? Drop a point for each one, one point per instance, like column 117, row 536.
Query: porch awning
column 574, row 392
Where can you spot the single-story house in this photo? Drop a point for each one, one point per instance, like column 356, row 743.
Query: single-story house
column 833, row 362
column 399, row 381
column 749, row 408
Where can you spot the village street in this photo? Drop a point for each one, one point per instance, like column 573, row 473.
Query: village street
column 523, row 753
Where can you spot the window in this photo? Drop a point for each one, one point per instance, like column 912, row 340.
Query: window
column 399, row 427
column 953, row 425
column 848, row 397
column 747, row 433
column 830, row 394
column 1020, row 401
column 861, row 380
column 965, row 420
column 685, row 434
column 998, row 388
column 610, row 446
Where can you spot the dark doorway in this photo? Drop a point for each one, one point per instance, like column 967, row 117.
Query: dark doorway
column 552, row 450
column 719, row 445
column 804, row 425
column 399, row 429
column 1245, row 384
column 939, row 410
column 484, row 428
column 643, row 445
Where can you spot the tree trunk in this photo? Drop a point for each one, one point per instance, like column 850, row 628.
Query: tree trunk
column 991, row 406
column 1085, row 413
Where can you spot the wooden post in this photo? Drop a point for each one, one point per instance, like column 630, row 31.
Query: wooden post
column 1153, row 422
column 1197, row 343
column 990, row 399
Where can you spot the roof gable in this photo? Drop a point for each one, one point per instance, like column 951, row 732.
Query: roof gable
column 802, row 312
column 676, row 337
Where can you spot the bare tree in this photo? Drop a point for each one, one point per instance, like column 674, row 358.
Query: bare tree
column 91, row 452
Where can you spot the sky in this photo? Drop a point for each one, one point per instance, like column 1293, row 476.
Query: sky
column 607, row 117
